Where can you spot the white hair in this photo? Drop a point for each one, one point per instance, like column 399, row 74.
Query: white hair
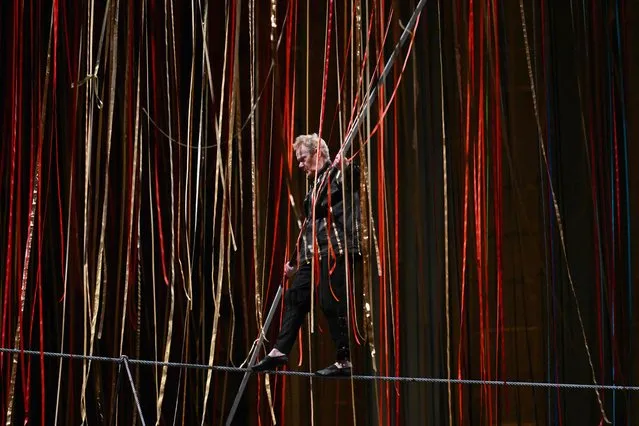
column 310, row 142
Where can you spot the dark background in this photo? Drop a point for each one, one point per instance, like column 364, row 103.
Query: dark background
column 511, row 170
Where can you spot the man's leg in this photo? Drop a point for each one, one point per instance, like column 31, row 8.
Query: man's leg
column 334, row 305
column 297, row 303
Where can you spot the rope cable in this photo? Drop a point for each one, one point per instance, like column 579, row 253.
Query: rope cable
column 405, row 379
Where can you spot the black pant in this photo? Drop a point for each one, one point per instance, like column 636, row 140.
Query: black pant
column 332, row 298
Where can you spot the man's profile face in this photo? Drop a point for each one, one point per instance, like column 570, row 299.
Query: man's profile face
column 306, row 161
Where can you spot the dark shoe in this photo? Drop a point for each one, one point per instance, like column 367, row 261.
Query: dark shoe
column 270, row 363
column 334, row 371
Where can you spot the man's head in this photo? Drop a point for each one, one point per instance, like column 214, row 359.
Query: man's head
column 311, row 152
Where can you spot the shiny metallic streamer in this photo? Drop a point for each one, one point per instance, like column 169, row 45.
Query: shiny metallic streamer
column 169, row 334
column 236, row 108
column 153, row 281
column 138, row 325
column 217, row 290
column 366, row 240
column 367, row 279
column 113, row 75
column 88, row 119
column 364, row 206
column 233, row 128
column 189, row 140
column 132, row 201
column 93, row 313
column 32, row 212
column 23, row 288
column 181, row 231
column 186, row 280
column 273, row 37
column 446, row 242
column 254, row 188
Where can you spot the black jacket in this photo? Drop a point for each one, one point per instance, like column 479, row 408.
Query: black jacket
column 337, row 205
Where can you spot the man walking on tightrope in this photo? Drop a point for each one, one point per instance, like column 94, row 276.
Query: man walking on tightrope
column 336, row 225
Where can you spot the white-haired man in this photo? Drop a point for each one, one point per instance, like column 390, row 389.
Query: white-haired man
column 329, row 236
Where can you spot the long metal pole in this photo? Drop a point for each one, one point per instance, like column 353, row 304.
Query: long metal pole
column 382, row 77
column 256, row 348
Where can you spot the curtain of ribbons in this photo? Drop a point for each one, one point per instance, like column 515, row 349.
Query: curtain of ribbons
column 150, row 197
